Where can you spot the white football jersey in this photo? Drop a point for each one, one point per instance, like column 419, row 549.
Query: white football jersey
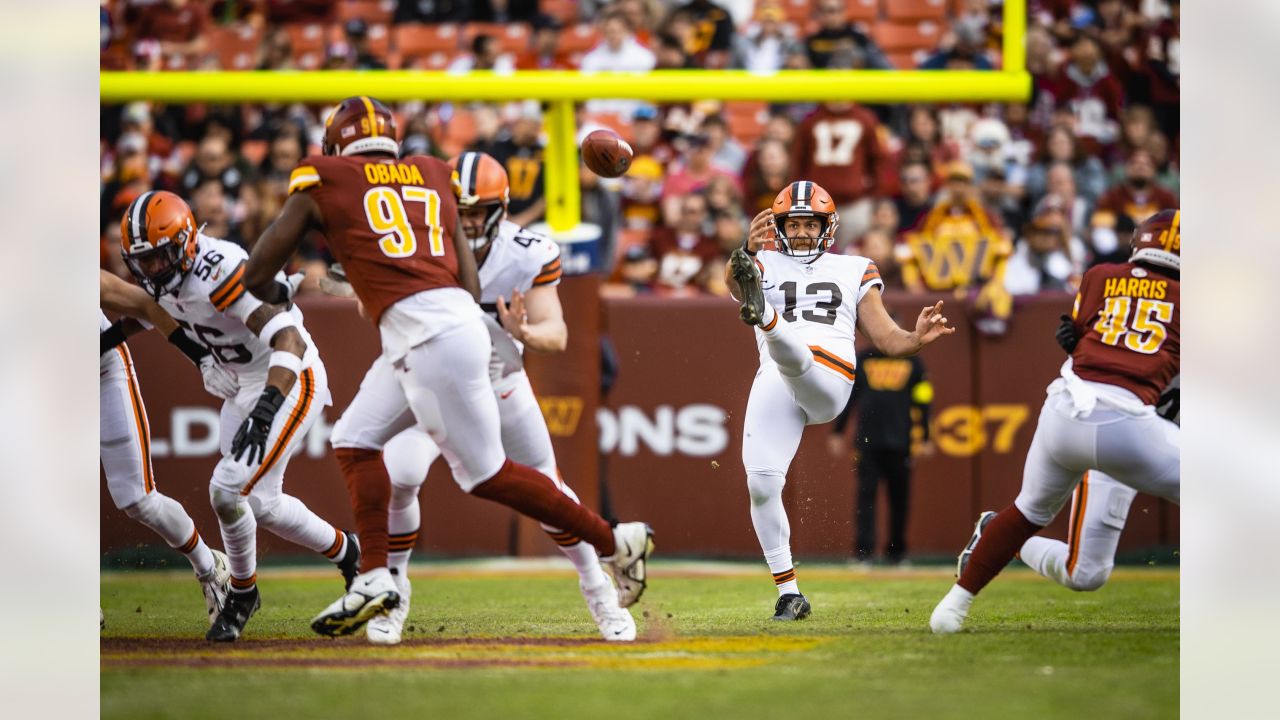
column 212, row 305
column 518, row 259
column 819, row 300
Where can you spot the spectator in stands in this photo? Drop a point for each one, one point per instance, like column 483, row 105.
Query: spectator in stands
column 713, row 40
column 766, row 173
column 485, row 55
column 724, row 205
column 522, row 155
column 360, row 56
column 1061, row 183
column 1086, row 86
column 1166, row 166
column 174, row 32
column 647, row 136
column 432, row 11
column 726, row 153
column 1126, row 206
column 282, row 12
column 1161, row 62
column 669, row 54
column 276, row 51
column 763, row 45
column 878, row 246
column 618, row 50
column 837, row 146
column 209, row 199
column 963, row 48
column 1047, row 258
column 959, row 244
column 215, row 160
column 916, row 196
column 284, row 153
column 687, row 256
column 924, row 129
column 543, row 52
column 161, row 153
column 835, row 29
column 642, row 15
column 635, row 275
column 1137, row 124
column 642, row 194
column 1062, row 147
column 780, row 127
column 689, row 175
column 884, row 217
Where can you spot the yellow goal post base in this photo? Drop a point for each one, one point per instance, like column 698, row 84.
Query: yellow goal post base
column 560, row 89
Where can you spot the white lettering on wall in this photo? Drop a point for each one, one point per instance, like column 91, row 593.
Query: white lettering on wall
column 696, row 430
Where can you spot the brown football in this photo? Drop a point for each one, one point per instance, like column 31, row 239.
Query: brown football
column 607, row 154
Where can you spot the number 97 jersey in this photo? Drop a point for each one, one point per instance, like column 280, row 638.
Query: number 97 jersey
column 390, row 222
column 819, row 300
column 1128, row 318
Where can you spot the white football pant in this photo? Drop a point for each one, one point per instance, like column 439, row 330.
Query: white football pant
column 1099, row 508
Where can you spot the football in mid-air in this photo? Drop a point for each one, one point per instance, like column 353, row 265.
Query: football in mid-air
column 606, row 153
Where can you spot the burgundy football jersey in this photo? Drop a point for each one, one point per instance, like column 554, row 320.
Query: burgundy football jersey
column 839, row 151
column 1128, row 318
column 389, row 222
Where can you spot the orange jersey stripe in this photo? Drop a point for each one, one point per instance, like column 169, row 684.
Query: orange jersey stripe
column 227, row 286
column 290, row 427
column 139, row 418
column 772, row 322
column 1079, row 501
column 833, row 361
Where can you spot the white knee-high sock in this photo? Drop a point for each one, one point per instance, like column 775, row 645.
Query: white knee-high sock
column 404, row 519
column 240, row 538
column 773, row 530
column 168, row 519
column 292, row 520
column 583, row 556
column 1047, row 557
column 792, row 356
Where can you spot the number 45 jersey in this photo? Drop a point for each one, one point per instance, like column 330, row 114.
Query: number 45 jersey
column 820, row 301
column 1128, row 317
column 390, row 222
column 212, row 306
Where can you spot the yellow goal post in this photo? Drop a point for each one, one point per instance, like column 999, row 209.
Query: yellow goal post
column 560, row 89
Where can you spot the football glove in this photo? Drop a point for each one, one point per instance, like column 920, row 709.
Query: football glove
column 1167, row 406
column 252, row 435
column 219, row 381
column 1066, row 334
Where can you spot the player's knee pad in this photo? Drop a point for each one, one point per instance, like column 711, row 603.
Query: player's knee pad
column 146, row 511
column 1089, row 579
column 764, row 486
column 227, row 503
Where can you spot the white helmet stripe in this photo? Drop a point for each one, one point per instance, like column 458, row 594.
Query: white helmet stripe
column 135, row 222
column 467, row 174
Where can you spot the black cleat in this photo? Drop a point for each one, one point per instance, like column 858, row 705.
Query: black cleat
column 236, row 611
column 791, row 607
column 963, row 559
column 747, row 275
column 350, row 562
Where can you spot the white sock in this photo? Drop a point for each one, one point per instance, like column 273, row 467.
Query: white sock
column 168, row 519
column 404, row 519
column 959, row 598
column 768, row 319
column 789, row 352
column 240, row 539
column 583, row 556
column 783, row 569
column 292, row 520
column 1047, row 557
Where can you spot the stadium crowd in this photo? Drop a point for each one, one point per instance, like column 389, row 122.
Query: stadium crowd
column 987, row 200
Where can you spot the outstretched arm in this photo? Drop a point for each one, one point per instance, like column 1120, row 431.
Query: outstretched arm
column 535, row 319
column 892, row 340
column 277, row 244
column 122, row 298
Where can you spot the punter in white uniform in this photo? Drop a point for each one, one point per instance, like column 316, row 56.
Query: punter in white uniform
column 278, row 391
column 804, row 304
column 519, row 271
column 125, row 437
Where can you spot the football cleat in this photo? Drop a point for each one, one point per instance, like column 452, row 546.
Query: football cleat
column 216, row 585
column 791, row 607
column 372, row 593
column 387, row 629
column 634, row 545
column 747, row 275
column 236, row 611
column 350, row 562
column 963, row 559
column 615, row 622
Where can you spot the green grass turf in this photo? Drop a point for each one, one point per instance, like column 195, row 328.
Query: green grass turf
column 1032, row 650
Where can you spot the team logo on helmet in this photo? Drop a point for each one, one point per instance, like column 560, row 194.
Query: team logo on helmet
column 360, row 125
column 806, row 199
column 482, row 182
column 1158, row 240
column 158, row 241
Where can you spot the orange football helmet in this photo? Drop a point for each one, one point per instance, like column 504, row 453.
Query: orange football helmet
column 1158, row 240
column 482, row 182
column 158, row 241
column 360, row 125
column 803, row 198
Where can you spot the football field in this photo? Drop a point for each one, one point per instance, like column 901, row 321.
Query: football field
column 490, row 640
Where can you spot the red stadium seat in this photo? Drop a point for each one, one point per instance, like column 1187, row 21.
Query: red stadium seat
column 904, row 60
column 578, row 39
column 371, row 11
column 512, row 37
column 566, row 11
column 906, row 37
column 236, row 46
column 798, row 12
column 864, row 11
column 380, row 40
column 459, row 132
column 418, row 41
column 903, row 10
column 306, row 37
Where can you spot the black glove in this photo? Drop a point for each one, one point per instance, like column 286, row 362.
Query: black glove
column 1167, row 405
column 252, row 435
column 1066, row 334
column 111, row 337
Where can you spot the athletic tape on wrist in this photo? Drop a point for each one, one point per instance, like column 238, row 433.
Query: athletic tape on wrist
column 286, row 360
column 275, row 325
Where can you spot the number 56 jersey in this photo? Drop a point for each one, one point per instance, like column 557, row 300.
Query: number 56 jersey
column 1128, row 318
column 820, row 301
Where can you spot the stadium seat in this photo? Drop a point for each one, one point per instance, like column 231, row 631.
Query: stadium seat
column 799, row 12
column 566, row 11
column 459, row 132
column 904, row 10
column 746, row 120
column 236, row 46
column 512, row 37
column 306, row 37
column 864, row 11
column 419, row 41
column 371, row 11
column 906, row 37
column 903, row 60
column 577, row 41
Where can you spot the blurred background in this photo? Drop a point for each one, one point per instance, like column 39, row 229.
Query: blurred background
column 997, row 208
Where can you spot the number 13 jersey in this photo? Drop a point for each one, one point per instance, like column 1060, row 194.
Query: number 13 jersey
column 819, row 300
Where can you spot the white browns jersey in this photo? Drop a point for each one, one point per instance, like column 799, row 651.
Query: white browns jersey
column 820, row 301
column 518, row 259
column 212, row 306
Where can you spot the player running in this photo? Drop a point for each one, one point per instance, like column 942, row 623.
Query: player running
column 806, row 351
column 1100, row 413
column 393, row 226
column 124, row 437
column 278, row 392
